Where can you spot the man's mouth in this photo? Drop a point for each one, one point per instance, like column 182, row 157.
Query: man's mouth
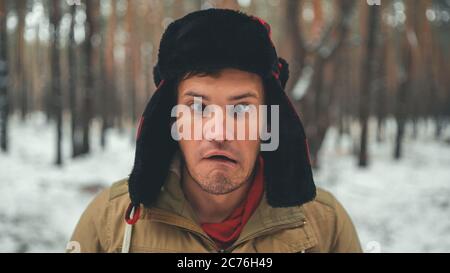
column 220, row 157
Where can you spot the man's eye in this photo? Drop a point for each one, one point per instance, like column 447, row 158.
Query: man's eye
column 197, row 107
column 241, row 108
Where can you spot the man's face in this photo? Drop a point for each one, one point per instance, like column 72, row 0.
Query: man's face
column 221, row 162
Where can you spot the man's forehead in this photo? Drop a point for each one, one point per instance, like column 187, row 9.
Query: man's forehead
column 230, row 83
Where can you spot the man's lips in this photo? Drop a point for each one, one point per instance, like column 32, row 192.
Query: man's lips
column 220, row 156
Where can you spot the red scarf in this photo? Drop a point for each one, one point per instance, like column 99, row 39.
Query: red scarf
column 227, row 232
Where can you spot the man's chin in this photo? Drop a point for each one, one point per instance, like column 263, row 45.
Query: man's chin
column 219, row 189
column 218, row 184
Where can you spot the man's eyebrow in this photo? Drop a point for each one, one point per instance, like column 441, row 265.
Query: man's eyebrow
column 244, row 96
column 192, row 93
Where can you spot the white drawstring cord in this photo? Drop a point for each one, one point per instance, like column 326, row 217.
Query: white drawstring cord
column 127, row 235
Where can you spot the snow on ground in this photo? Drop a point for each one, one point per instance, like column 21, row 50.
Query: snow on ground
column 39, row 203
column 396, row 206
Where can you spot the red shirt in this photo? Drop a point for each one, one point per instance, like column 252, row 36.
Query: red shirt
column 227, row 232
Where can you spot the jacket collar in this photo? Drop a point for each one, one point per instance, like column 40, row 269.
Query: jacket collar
column 174, row 209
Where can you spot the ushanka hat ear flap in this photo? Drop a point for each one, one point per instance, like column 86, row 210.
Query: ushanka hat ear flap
column 288, row 173
column 155, row 147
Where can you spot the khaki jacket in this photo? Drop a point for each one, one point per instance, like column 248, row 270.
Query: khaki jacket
column 170, row 226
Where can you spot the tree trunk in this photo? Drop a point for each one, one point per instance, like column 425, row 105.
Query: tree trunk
column 295, row 49
column 315, row 103
column 91, row 28
column 366, row 81
column 55, row 17
column 21, row 86
column 4, row 96
column 130, row 84
column 73, row 87
column 227, row 4
column 407, row 64
column 109, row 92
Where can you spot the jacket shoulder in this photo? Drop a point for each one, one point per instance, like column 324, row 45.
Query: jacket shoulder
column 332, row 223
column 325, row 198
column 118, row 189
column 94, row 230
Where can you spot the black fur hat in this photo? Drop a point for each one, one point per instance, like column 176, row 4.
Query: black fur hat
column 208, row 40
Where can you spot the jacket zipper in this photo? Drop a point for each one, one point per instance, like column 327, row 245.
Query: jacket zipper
column 208, row 240
column 213, row 245
column 263, row 232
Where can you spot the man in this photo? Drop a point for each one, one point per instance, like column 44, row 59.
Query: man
column 217, row 192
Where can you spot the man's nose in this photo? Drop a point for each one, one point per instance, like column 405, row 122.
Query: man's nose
column 216, row 127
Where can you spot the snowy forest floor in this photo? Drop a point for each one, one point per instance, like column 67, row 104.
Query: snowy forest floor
column 397, row 206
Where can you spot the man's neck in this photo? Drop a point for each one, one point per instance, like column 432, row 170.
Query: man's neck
column 212, row 208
